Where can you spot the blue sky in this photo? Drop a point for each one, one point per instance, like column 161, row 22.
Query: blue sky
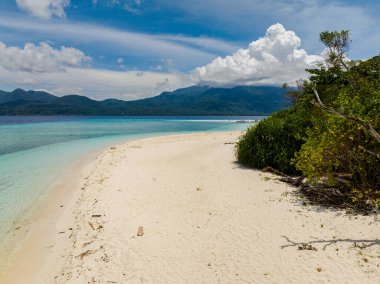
column 137, row 48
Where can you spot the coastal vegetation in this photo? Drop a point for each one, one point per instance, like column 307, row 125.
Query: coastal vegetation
column 273, row 141
column 330, row 136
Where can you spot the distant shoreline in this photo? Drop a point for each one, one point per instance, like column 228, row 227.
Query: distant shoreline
column 191, row 101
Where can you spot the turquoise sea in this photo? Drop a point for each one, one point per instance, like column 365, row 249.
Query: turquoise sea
column 34, row 150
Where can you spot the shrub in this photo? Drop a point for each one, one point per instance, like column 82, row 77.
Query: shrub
column 341, row 149
column 274, row 141
column 331, row 134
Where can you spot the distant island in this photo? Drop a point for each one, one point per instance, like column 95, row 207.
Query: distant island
column 194, row 101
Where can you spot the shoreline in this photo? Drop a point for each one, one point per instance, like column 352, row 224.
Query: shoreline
column 204, row 217
column 49, row 202
column 41, row 215
column 37, row 223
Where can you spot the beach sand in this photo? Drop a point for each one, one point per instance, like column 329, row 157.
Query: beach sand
column 178, row 209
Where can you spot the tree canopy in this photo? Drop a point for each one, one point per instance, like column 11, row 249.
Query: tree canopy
column 339, row 107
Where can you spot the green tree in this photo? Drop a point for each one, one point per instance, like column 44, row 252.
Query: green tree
column 343, row 146
column 331, row 133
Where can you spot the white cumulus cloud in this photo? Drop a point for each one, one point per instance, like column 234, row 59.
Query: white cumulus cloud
column 275, row 58
column 42, row 58
column 44, row 8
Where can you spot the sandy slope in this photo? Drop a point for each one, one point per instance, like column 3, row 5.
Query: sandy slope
column 205, row 220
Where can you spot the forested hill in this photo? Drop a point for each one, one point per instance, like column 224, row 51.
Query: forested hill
column 196, row 100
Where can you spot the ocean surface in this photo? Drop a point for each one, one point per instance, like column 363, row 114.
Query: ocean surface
column 35, row 150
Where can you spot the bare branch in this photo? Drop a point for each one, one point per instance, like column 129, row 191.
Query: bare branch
column 377, row 155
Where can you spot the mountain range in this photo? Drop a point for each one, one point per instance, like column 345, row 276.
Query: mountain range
column 192, row 101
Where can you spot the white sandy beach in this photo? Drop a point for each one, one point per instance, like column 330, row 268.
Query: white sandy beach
column 205, row 219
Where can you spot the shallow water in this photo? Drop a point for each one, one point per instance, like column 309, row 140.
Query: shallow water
column 34, row 150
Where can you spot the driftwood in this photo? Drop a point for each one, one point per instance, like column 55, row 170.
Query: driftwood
column 334, row 198
column 296, row 181
column 305, row 246
column 88, row 252
column 339, row 196
column 92, row 226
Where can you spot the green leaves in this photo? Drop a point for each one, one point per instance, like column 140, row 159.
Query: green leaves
column 274, row 141
column 337, row 147
column 333, row 141
column 338, row 44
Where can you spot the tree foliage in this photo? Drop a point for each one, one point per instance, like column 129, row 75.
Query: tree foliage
column 274, row 141
column 340, row 145
column 337, row 143
column 338, row 44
